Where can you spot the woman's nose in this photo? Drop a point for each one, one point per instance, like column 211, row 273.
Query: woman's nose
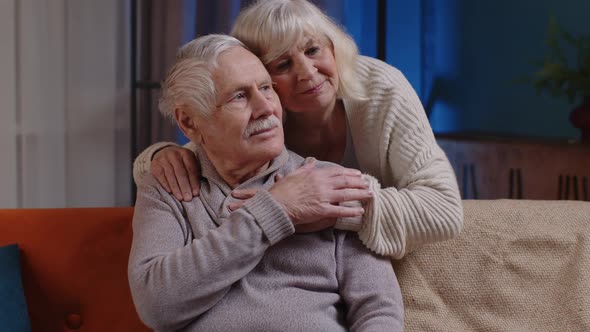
column 304, row 69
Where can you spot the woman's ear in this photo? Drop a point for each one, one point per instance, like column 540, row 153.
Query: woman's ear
column 186, row 121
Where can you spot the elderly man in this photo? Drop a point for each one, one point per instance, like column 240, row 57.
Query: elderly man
column 199, row 266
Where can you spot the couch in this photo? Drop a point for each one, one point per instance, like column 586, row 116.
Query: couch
column 74, row 267
column 518, row 266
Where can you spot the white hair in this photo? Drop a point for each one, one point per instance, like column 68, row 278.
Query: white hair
column 271, row 27
column 189, row 83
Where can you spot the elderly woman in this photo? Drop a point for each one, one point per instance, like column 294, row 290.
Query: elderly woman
column 344, row 108
column 196, row 266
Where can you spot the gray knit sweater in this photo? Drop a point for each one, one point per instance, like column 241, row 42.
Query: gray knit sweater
column 196, row 267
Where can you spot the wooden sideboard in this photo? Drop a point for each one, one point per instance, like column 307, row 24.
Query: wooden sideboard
column 490, row 167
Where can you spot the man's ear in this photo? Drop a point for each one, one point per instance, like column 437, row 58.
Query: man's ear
column 186, row 121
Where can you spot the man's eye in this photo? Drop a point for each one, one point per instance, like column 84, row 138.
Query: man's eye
column 238, row 96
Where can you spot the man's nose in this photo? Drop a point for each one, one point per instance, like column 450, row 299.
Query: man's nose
column 304, row 68
column 262, row 104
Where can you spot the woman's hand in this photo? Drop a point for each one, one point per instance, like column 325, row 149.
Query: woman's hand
column 177, row 170
column 311, row 195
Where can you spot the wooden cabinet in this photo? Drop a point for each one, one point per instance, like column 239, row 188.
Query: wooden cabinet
column 493, row 168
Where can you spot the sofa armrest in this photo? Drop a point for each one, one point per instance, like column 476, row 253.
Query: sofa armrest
column 74, row 267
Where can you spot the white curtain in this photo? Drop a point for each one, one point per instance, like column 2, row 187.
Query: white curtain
column 64, row 101
column 162, row 27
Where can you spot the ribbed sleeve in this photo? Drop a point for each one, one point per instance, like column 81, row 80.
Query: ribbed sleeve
column 418, row 201
column 141, row 165
column 143, row 162
column 270, row 216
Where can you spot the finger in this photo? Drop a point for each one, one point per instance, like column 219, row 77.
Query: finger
column 235, row 205
column 309, row 163
column 244, row 193
column 338, row 171
column 337, row 211
column 169, row 171
column 158, row 172
column 183, row 181
column 193, row 173
column 161, row 153
column 349, row 181
column 345, row 195
column 278, row 177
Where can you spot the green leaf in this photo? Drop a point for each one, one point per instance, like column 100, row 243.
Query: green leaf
column 558, row 75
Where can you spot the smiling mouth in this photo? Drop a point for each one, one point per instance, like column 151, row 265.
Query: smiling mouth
column 315, row 89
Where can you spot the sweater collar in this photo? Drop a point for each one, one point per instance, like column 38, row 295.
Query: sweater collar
column 209, row 172
column 215, row 193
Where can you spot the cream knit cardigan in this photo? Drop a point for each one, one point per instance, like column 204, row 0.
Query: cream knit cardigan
column 416, row 197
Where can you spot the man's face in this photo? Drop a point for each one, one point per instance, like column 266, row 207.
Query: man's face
column 246, row 127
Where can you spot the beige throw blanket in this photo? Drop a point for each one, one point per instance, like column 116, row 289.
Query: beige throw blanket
column 518, row 266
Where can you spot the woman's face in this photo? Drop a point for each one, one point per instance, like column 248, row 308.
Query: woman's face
column 305, row 76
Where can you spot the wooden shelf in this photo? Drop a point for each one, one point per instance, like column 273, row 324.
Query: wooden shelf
column 491, row 167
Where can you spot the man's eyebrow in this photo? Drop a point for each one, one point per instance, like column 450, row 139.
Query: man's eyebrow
column 246, row 86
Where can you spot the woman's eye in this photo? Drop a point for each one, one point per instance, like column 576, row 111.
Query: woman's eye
column 282, row 66
column 312, row 50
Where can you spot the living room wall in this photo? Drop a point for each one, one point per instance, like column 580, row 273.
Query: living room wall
column 479, row 49
column 463, row 58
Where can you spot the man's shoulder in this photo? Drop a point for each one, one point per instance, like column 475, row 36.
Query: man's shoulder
column 150, row 187
column 149, row 181
column 296, row 161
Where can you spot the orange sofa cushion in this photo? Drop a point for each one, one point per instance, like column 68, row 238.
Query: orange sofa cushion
column 74, row 267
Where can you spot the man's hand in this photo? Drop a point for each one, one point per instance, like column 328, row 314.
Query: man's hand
column 311, row 195
column 176, row 169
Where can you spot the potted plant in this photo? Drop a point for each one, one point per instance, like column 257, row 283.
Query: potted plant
column 565, row 72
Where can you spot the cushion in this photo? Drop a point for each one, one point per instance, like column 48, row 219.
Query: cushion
column 13, row 307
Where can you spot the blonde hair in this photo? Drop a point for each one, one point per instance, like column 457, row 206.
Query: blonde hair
column 271, row 27
column 189, row 82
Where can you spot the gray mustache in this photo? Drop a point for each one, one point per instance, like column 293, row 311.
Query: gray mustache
column 263, row 124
